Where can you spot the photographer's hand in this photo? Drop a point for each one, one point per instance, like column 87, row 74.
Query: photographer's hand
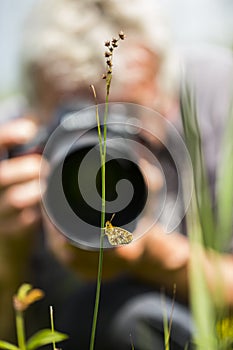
column 19, row 213
column 19, row 186
column 156, row 258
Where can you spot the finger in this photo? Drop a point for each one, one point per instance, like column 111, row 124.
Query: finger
column 131, row 252
column 18, row 197
column 83, row 263
column 17, row 132
column 152, row 174
column 21, row 223
column 136, row 248
column 20, row 169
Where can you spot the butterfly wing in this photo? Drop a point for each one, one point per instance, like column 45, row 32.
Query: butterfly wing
column 118, row 236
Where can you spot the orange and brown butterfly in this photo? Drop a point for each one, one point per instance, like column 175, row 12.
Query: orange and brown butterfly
column 117, row 235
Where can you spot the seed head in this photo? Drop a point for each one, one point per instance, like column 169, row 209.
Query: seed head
column 109, row 63
column 107, row 54
column 122, row 35
column 114, row 40
column 107, row 43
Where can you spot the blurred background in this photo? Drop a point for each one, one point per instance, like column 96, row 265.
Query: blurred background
column 192, row 22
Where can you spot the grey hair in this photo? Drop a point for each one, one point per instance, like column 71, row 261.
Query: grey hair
column 66, row 38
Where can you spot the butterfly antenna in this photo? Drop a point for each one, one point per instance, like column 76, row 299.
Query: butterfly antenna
column 112, row 217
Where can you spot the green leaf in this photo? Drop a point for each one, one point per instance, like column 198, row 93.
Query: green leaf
column 7, row 346
column 44, row 337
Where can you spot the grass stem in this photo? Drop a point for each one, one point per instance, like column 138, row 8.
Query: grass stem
column 52, row 325
column 103, row 151
column 20, row 330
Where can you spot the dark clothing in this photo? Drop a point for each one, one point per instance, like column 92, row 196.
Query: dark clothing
column 129, row 312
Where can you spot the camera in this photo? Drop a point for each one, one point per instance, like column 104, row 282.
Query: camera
column 74, row 186
column 71, row 147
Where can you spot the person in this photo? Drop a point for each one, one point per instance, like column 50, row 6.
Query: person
column 64, row 62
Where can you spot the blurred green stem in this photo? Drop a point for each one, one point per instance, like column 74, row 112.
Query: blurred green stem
column 20, row 330
column 52, row 325
column 103, row 149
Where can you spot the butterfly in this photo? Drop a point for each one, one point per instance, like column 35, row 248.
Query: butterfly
column 117, row 235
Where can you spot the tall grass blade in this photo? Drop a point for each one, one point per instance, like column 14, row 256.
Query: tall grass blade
column 203, row 309
column 193, row 141
column 200, row 227
column 224, row 187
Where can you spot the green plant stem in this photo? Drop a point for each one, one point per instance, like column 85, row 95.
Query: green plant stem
column 98, row 286
column 97, row 119
column 105, row 129
column 165, row 325
column 52, row 325
column 103, row 207
column 20, row 329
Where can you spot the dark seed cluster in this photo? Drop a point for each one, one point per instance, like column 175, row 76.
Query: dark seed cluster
column 111, row 45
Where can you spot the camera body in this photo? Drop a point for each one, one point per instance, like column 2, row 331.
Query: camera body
column 74, row 185
column 72, row 177
column 72, row 198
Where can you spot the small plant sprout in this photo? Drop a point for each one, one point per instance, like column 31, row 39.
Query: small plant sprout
column 26, row 296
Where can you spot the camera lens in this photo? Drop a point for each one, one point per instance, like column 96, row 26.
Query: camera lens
column 73, row 196
column 116, row 170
